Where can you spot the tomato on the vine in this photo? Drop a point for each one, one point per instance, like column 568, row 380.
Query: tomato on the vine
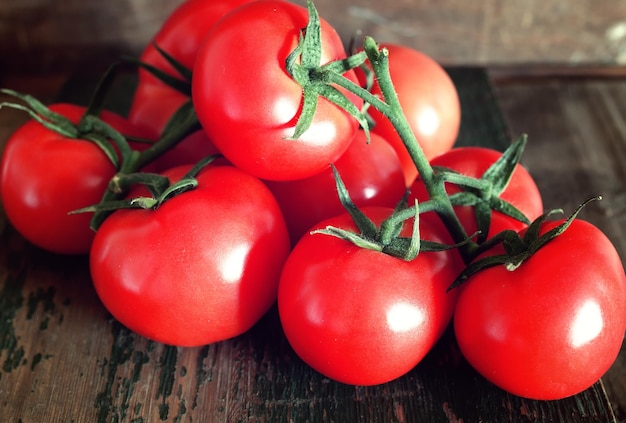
column 202, row 267
column 430, row 103
column 371, row 172
column 552, row 327
column 249, row 104
column 521, row 191
column 361, row 316
column 45, row 175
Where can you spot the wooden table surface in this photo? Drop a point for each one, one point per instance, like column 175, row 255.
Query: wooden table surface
column 64, row 359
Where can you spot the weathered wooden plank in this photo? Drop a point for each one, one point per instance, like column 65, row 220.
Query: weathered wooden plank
column 42, row 35
column 576, row 150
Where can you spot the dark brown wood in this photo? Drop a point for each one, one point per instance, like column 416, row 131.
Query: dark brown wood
column 44, row 35
column 63, row 358
column 576, row 150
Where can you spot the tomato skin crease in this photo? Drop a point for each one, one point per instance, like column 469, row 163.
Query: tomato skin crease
column 202, row 268
column 551, row 328
column 353, row 321
column 249, row 105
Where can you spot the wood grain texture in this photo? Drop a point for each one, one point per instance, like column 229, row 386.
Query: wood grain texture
column 577, row 150
column 63, row 358
column 41, row 35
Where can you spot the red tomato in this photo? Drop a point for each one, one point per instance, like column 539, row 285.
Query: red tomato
column 201, row 268
column 182, row 33
column 552, row 327
column 371, row 172
column 152, row 107
column 360, row 316
column 247, row 102
column 44, row 176
column 180, row 37
column 521, row 191
column 430, row 102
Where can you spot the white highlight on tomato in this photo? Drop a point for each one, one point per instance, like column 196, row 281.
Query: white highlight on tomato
column 428, row 121
column 233, row 262
column 587, row 325
column 404, row 317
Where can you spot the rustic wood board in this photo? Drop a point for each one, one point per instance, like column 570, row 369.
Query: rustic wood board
column 41, row 35
column 576, row 150
column 63, row 358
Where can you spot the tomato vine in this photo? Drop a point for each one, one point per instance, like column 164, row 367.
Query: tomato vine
column 320, row 80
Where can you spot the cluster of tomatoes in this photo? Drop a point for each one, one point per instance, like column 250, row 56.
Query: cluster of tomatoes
column 190, row 255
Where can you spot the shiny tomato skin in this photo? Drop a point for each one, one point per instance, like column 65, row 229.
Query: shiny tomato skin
column 182, row 32
column 152, row 106
column 154, row 102
column 430, row 103
column 44, row 176
column 371, row 172
column 363, row 317
column 249, row 105
column 179, row 36
column 551, row 328
column 202, row 268
column 522, row 191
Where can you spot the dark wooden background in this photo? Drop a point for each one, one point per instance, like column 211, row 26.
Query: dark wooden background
column 48, row 35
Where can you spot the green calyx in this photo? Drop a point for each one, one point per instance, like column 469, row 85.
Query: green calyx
column 386, row 237
column 182, row 123
column 517, row 248
column 304, row 66
column 116, row 147
column 89, row 128
column 160, row 187
column 484, row 193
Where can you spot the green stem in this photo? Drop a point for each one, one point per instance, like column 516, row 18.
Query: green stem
column 379, row 60
column 184, row 123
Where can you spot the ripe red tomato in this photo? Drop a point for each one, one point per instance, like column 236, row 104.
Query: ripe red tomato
column 371, row 172
column 249, row 105
column 552, row 327
column 521, row 191
column 430, row 102
column 152, row 107
column 44, row 176
column 180, row 37
column 182, row 33
column 360, row 316
column 201, row 268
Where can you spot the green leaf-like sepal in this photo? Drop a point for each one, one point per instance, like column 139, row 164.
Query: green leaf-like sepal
column 365, row 225
column 357, row 239
column 518, row 249
column 317, row 80
column 42, row 114
column 182, row 84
